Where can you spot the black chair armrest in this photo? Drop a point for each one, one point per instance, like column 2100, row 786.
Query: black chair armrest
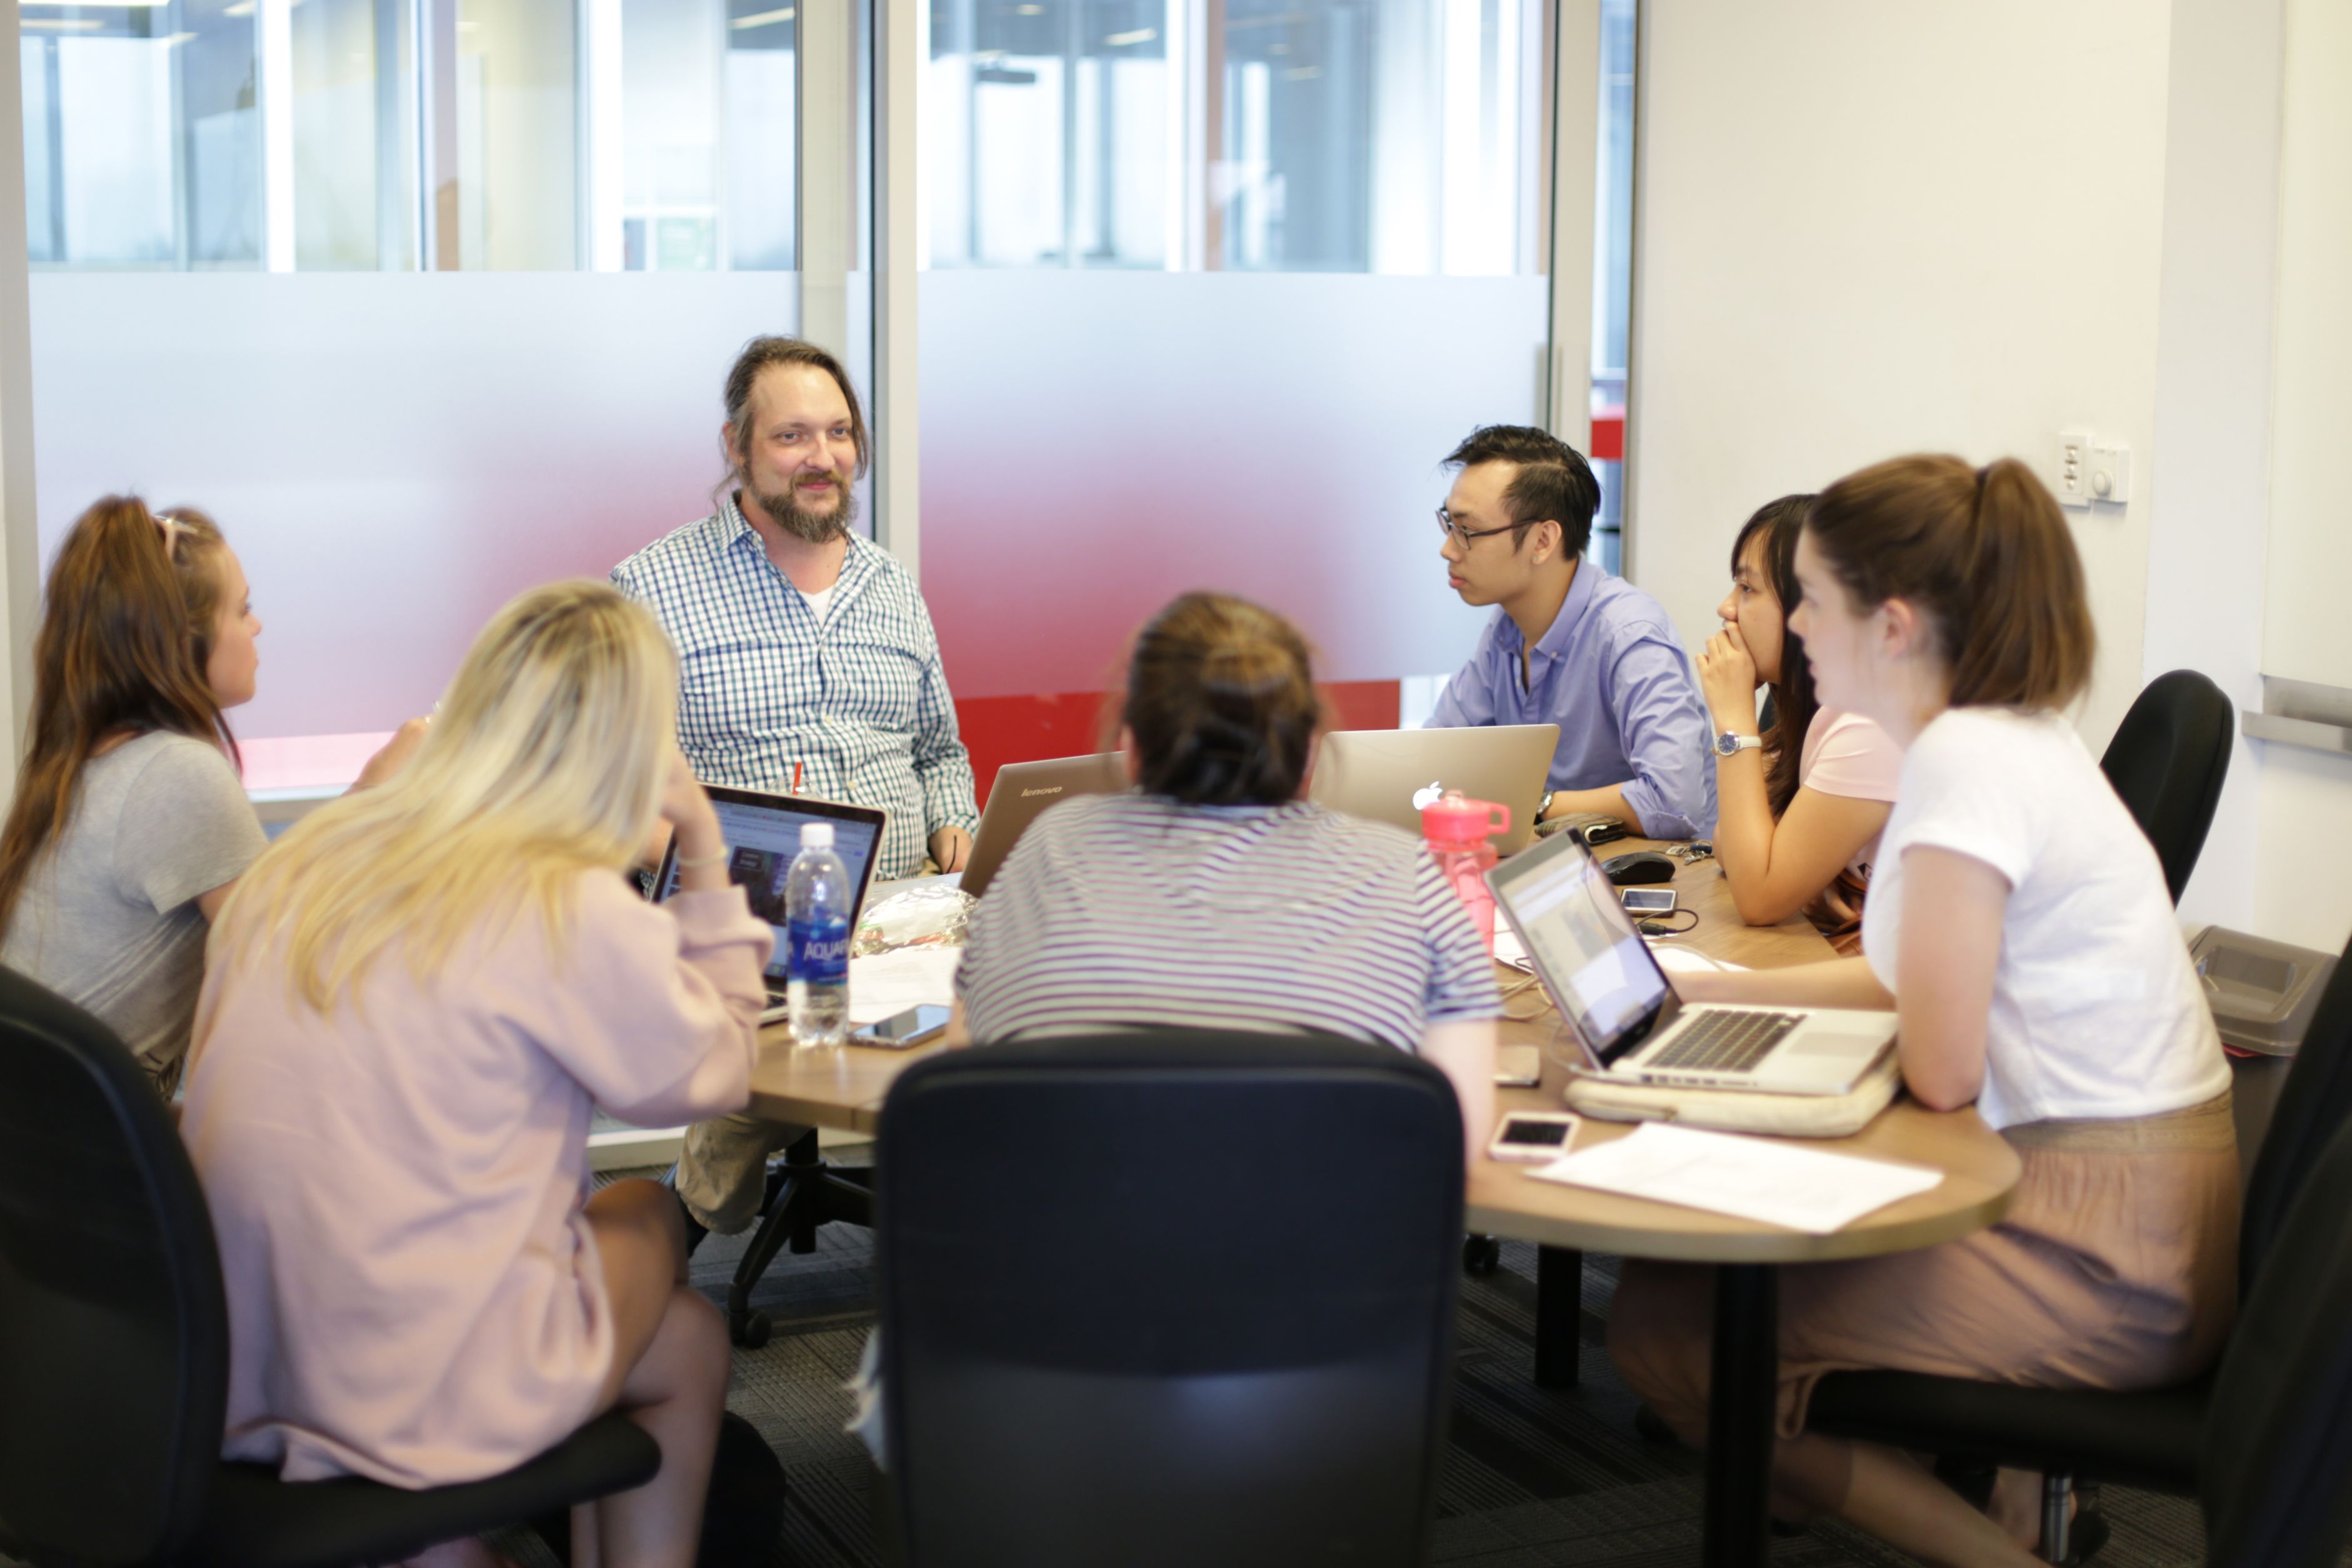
column 2148, row 1437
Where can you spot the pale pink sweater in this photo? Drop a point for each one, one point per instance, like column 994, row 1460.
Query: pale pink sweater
column 396, row 1186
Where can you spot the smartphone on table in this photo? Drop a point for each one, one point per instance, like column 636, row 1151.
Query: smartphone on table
column 916, row 1026
column 1640, row 901
column 1533, row 1135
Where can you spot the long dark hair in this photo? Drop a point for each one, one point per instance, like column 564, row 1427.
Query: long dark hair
column 126, row 633
column 1775, row 527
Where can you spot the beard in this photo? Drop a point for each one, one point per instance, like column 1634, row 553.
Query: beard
column 817, row 526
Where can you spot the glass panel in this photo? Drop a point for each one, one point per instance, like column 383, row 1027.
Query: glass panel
column 1393, row 136
column 143, row 141
column 392, row 457
column 354, row 129
column 1285, row 444
column 1612, row 272
column 501, row 135
column 1275, row 434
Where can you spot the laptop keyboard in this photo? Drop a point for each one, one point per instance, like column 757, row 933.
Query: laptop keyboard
column 1726, row 1041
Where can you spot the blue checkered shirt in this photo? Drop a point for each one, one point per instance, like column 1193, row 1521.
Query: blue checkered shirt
column 860, row 702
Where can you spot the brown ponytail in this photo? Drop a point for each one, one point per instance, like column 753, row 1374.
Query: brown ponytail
column 1985, row 555
column 122, row 653
column 1220, row 700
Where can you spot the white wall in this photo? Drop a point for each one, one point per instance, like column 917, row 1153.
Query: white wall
column 1872, row 229
column 2209, row 474
column 2304, row 817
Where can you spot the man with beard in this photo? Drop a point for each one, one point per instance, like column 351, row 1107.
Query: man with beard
column 806, row 664
column 802, row 647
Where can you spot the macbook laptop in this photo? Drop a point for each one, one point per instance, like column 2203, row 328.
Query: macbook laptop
column 1605, row 982
column 1389, row 775
column 1024, row 788
column 764, row 834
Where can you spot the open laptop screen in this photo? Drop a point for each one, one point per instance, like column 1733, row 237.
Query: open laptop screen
column 764, row 834
column 1583, row 943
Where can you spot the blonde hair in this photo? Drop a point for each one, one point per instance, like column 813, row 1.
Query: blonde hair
column 547, row 759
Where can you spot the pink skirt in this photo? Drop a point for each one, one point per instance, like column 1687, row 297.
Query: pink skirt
column 2116, row 1268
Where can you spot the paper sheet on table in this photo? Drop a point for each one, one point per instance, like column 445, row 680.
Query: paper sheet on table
column 1673, row 960
column 1777, row 1183
column 889, row 983
column 1676, row 960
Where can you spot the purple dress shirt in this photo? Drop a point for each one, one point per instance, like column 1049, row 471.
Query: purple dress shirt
column 1611, row 673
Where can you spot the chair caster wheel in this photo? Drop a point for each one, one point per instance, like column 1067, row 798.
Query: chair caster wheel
column 753, row 1334
column 1481, row 1254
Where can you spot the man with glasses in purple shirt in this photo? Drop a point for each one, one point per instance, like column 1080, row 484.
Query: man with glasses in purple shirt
column 1570, row 645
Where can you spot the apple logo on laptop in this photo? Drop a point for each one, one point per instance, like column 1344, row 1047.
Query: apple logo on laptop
column 1428, row 795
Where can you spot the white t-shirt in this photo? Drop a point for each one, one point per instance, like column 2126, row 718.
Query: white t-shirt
column 1849, row 756
column 2096, row 1011
column 820, row 603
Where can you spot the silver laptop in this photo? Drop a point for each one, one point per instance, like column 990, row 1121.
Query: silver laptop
column 763, row 833
column 1602, row 976
column 1022, row 790
column 1389, row 775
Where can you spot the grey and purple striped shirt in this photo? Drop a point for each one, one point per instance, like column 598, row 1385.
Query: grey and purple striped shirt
column 1132, row 910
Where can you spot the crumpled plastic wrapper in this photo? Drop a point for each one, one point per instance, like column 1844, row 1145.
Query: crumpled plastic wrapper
column 934, row 917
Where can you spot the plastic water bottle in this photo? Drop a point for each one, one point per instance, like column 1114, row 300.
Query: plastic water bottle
column 816, row 928
column 1457, row 829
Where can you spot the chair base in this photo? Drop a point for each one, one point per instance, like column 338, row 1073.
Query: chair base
column 804, row 1192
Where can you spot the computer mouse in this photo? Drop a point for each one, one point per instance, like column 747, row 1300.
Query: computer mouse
column 1638, row 868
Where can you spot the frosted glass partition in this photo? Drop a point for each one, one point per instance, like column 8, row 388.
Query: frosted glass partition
column 1095, row 443
column 392, row 455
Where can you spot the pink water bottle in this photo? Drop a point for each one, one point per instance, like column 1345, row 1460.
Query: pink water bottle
column 1457, row 829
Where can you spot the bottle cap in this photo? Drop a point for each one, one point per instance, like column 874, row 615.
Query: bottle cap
column 1455, row 818
column 817, row 835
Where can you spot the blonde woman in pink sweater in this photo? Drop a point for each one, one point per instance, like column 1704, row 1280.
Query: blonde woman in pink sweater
column 412, row 1004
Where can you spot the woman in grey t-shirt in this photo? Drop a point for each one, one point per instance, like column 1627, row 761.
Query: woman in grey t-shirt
column 129, row 822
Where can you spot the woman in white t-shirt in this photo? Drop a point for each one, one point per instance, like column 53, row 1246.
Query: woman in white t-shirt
column 2020, row 924
column 1799, row 808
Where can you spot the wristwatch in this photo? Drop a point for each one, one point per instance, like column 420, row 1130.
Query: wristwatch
column 1543, row 807
column 1730, row 745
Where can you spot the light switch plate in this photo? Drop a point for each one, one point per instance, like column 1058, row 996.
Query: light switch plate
column 2073, row 485
column 2110, row 475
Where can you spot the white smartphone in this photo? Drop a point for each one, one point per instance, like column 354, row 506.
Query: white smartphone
column 1529, row 1136
column 1648, row 900
column 916, row 1026
column 1519, row 1066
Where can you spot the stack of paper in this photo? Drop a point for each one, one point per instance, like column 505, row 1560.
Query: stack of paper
column 1753, row 1178
column 889, row 983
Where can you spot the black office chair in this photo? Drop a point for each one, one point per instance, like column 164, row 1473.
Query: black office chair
column 2165, row 1438
column 2168, row 760
column 1084, row 1355
column 114, row 1349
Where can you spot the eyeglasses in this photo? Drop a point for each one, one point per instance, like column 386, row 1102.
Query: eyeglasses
column 1453, row 530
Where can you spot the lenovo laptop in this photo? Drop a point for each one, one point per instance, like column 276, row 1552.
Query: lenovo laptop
column 764, row 834
column 1022, row 790
column 1602, row 976
column 1389, row 775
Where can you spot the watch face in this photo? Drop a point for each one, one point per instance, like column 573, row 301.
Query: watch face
column 1726, row 744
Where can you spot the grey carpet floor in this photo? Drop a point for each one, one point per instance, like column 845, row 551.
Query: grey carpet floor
column 1533, row 1478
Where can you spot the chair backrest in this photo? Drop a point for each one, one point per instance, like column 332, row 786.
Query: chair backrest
column 1167, row 1299
column 2314, row 1103
column 113, row 1331
column 2277, row 1444
column 2168, row 760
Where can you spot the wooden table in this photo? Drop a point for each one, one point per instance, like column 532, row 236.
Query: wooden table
column 1979, row 1169
column 845, row 1088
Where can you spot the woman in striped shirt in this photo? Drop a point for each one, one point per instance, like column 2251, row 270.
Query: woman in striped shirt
column 1212, row 896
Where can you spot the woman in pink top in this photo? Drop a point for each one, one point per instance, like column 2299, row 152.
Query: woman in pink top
column 412, row 1004
column 1798, row 819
